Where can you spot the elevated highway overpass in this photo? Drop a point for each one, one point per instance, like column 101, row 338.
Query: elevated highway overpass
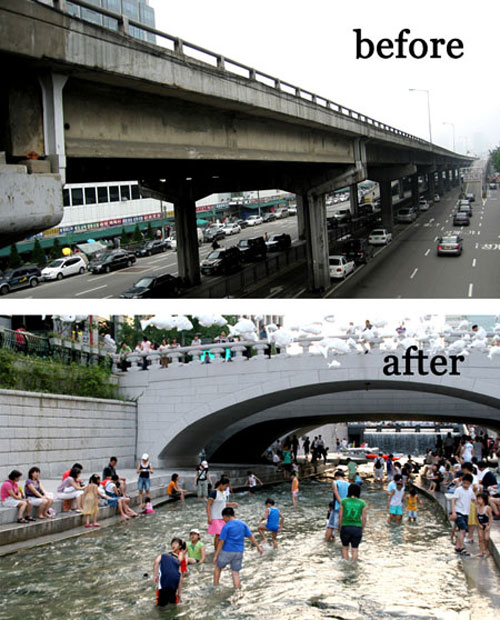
column 101, row 105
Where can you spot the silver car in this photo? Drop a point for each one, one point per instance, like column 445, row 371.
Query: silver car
column 408, row 214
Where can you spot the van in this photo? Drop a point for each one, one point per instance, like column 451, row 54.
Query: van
column 280, row 213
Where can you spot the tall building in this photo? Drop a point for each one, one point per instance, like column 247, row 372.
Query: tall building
column 137, row 10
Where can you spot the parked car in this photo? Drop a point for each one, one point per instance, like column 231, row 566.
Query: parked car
column 268, row 217
column 152, row 247
column 231, row 229
column 460, row 218
column 423, row 204
column 242, row 224
column 342, row 215
column 379, row 236
column 407, row 214
column 450, row 245
column 108, row 261
column 471, row 196
column 340, row 266
column 281, row 213
column 254, row 220
column 221, row 261
column 493, row 185
column 63, row 267
column 21, row 277
column 358, row 250
column 253, row 248
column 154, row 287
column 213, row 234
column 436, row 198
column 278, row 242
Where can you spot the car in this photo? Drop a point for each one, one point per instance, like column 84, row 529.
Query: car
column 221, row 261
column 358, row 250
column 423, row 204
column 379, row 236
column 254, row 220
column 465, row 209
column 242, row 224
column 464, row 202
column 342, row 215
column 408, row 214
column 292, row 210
column 460, row 218
column 281, row 213
column 493, row 185
column 253, row 248
column 63, row 267
column 436, row 198
column 340, row 266
column 20, row 277
column 213, row 234
column 450, row 245
column 278, row 242
column 154, row 287
column 471, row 196
column 268, row 217
column 231, row 229
column 109, row 261
column 147, row 248
column 368, row 208
column 172, row 240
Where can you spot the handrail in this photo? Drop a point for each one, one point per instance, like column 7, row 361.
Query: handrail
column 222, row 63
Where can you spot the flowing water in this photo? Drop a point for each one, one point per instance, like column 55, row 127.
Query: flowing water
column 407, row 572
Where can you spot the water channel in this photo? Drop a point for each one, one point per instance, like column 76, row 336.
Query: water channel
column 405, row 572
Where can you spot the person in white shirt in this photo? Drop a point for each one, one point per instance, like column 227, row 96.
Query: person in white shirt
column 460, row 509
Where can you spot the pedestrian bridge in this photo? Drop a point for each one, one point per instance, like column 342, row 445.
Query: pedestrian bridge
column 235, row 409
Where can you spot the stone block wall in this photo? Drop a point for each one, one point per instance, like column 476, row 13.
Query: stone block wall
column 54, row 431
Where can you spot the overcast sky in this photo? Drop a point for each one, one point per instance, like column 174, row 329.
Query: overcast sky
column 312, row 44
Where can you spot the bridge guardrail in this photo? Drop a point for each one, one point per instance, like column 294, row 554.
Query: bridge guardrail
column 214, row 59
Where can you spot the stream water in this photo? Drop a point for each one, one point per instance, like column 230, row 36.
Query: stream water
column 407, row 572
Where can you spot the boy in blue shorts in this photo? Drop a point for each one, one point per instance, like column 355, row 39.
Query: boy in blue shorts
column 396, row 492
column 231, row 545
column 274, row 522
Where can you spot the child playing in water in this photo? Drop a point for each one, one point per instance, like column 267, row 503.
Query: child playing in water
column 274, row 522
column 179, row 551
column 148, row 506
column 167, row 577
column 485, row 519
column 413, row 505
column 396, row 492
column 295, row 489
column 91, row 501
column 195, row 548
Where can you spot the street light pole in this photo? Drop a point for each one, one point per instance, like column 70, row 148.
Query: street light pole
column 423, row 90
column 453, row 129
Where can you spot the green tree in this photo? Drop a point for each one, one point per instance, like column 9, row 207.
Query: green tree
column 137, row 236
column 14, row 258
column 38, row 255
column 55, row 250
column 150, row 233
column 124, row 237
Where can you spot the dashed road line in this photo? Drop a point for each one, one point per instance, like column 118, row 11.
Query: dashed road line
column 474, row 262
column 471, row 288
column 414, row 273
column 427, row 253
column 91, row 290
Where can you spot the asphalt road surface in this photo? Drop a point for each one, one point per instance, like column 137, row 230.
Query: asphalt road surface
column 105, row 286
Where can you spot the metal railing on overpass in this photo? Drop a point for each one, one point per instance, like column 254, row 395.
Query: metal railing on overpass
column 191, row 50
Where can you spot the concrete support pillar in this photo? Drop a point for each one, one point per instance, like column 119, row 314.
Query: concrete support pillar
column 301, row 226
column 447, row 183
column 353, row 191
column 386, row 205
column 314, row 208
column 401, row 189
column 53, row 121
column 440, row 182
column 188, row 259
column 431, row 185
column 456, row 177
column 414, row 190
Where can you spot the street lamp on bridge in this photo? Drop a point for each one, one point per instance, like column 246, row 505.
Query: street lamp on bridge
column 423, row 90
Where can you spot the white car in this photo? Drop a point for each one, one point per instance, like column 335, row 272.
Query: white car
column 379, row 236
column 253, row 220
column 423, row 204
column 232, row 229
column 436, row 198
column 63, row 267
column 340, row 266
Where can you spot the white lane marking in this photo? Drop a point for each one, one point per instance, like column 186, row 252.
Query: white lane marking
column 477, row 244
column 108, row 297
column 480, row 223
column 471, row 288
column 474, row 262
column 478, row 232
column 436, row 238
column 427, row 253
column 91, row 290
column 302, row 290
column 414, row 273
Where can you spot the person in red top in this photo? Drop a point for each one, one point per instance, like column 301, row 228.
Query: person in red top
column 68, row 471
column 11, row 497
column 21, row 342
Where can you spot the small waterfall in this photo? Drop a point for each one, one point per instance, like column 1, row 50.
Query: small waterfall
column 403, row 442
